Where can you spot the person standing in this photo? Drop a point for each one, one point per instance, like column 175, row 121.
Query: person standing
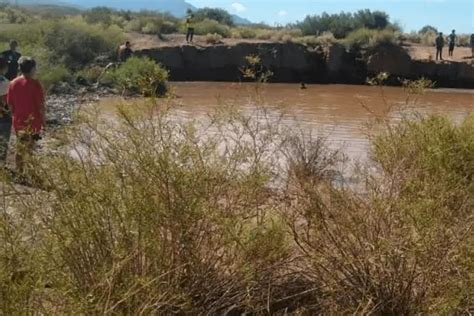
column 452, row 43
column 125, row 52
column 472, row 45
column 439, row 46
column 27, row 103
column 12, row 56
column 5, row 116
column 190, row 28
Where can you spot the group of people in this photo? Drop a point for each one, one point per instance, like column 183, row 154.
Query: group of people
column 22, row 105
column 452, row 40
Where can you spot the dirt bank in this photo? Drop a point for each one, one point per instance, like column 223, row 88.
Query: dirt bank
column 292, row 62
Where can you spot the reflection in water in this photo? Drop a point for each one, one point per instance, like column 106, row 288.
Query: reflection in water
column 339, row 112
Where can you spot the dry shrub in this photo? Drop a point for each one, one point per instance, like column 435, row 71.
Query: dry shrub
column 428, row 38
column 213, row 39
column 152, row 214
column 404, row 246
column 154, row 217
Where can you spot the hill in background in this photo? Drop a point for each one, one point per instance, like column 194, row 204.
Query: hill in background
column 177, row 8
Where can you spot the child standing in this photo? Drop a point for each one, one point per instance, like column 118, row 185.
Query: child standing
column 26, row 100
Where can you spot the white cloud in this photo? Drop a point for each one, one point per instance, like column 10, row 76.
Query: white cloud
column 239, row 7
column 282, row 13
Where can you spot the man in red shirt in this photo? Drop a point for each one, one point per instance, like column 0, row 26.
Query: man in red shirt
column 26, row 100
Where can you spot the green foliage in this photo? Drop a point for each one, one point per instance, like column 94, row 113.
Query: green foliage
column 216, row 14
column 244, row 32
column 77, row 43
column 62, row 45
column 140, row 75
column 343, row 23
column 212, row 27
column 53, row 74
column 363, row 38
column 10, row 14
column 102, row 15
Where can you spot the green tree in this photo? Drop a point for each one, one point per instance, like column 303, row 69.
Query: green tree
column 219, row 15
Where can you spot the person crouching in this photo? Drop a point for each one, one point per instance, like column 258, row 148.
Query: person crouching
column 27, row 102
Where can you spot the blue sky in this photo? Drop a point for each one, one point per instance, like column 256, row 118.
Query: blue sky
column 411, row 14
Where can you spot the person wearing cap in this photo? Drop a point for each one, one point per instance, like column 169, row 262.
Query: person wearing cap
column 27, row 103
column 5, row 116
column 12, row 56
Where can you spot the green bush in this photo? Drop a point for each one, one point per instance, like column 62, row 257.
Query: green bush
column 212, row 27
column 151, row 28
column 168, row 27
column 364, row 38
column 77, row 43
column 216, row 14
column 52, row 74
column 25, row 34
column 99, row 15
column 244, row 32
column 140, row 75
column 359, row 38
column 343, row 23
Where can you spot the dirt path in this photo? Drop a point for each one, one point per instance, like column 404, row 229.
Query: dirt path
column 419, row 52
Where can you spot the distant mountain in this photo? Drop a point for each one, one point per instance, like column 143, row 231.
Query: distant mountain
column 177, row 8
column 240, row 21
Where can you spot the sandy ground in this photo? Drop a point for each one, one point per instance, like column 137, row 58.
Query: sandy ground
column 419, row 52
column 416, row 51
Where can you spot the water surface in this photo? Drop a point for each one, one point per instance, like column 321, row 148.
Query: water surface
column 339, row 112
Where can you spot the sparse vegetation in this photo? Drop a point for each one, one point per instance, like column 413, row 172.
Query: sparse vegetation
column 155, row 217
column 213, row 39
column 139, row 75
column 212, row 27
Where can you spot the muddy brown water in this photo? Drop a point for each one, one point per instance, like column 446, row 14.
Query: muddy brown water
column 339, row 112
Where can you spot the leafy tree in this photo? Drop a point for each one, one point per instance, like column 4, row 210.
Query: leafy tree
column 342, row 24
column 428, row 29
column 381, row 20
column 219, row 15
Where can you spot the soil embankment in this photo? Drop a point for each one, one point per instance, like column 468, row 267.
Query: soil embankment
column 290, row 62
